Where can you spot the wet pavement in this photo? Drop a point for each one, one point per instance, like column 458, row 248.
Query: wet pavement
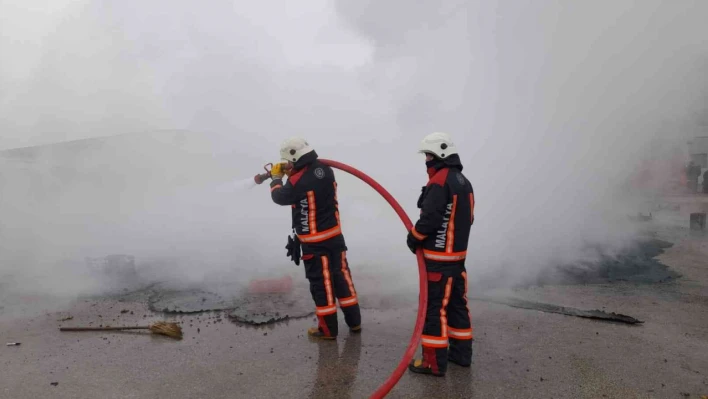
column 517, row 352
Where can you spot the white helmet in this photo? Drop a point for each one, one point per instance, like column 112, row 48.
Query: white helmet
column 294, row 148
column 438, row 144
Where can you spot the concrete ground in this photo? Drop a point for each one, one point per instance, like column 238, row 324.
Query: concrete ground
column 517, row 352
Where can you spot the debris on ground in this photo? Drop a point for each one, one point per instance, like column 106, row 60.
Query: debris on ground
column 636, row 263
column 260, row 304
column 54, row 383
column 66, row 318
column 550, row 308
column 188, row 301
column 244, row 306
column 13, row 344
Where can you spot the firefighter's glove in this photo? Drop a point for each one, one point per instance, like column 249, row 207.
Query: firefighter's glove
column 277, row 171
column 413, row 243
column 294, row 250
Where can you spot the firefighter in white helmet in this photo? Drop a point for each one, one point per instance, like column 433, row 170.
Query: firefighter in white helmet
column 311, row 191
column 442, row 231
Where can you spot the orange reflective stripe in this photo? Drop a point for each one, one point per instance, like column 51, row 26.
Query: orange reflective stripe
column 312, row 212
column 345, row 272
column 443, row 311
column 431, row 341
column 325, row 310
column 418, row 236
column 471, row 207
column 275, row 188
column 350, row 301
column 327, row 280
column 460, row 333
column 334, row 231
column 444, row 256
column 451, row 226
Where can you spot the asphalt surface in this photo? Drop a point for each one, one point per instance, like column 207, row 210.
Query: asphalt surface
column 517, row 352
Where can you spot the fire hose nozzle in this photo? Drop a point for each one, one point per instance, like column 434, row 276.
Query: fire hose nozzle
column 260, row 178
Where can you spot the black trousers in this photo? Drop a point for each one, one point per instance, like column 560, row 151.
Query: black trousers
column 330, row 281
column 447, row 332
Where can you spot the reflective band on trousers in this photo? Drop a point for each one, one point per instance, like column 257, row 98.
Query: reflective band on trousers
column 434, row 342
column 327, row 280
column 325, row 310
column 444, row 256
column 352, row 300
column 334, row 231
column 345, row 272
column 459, row 333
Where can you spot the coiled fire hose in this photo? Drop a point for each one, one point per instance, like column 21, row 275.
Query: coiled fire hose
column 386, row 387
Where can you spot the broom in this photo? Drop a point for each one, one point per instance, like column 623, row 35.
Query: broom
column 172, row 330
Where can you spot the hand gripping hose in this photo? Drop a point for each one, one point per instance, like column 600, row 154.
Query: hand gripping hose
column 386, row 387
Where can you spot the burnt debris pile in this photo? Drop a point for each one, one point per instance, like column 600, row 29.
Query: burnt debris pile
column 243, row 306
column 247, row 306
column 636, row 263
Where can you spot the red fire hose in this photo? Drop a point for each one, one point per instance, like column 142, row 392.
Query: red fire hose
column 386, row 387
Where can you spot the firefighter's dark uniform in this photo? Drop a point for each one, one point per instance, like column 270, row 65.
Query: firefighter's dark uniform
column 447, row 213
column 311, row 191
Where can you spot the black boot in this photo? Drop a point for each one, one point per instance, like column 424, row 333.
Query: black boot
column 427, row 365
column 460, row 352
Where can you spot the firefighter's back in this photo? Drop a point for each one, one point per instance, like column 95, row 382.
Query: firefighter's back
column 449, row 244
column 316, row 215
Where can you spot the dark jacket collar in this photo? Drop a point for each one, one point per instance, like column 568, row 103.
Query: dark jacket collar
column 305, row 160
column 453, row 161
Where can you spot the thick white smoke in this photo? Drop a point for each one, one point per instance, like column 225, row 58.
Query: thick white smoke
column 551, row 106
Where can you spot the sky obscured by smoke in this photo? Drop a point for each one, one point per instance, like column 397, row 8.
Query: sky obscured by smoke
column 550, row 103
